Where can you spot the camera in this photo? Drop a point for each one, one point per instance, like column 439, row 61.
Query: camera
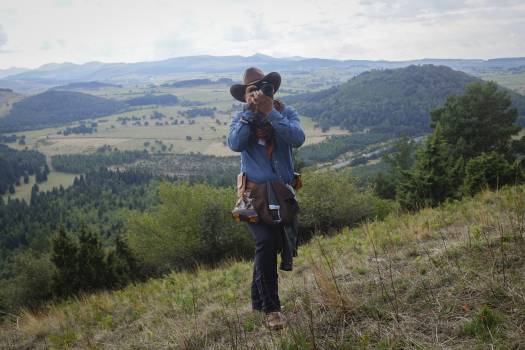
column 266, row 87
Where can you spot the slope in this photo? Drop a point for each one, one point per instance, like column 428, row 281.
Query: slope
column 449, row 277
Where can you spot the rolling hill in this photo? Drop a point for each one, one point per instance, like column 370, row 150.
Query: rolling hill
column 391, row 100
column 55, row 107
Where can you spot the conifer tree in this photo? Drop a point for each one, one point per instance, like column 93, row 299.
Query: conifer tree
column 64, row 255
column 91, row 262
column 480, row 120
column 429, row 181
column 122, row 266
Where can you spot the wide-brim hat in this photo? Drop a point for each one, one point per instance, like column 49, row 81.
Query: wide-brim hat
column 254, row 75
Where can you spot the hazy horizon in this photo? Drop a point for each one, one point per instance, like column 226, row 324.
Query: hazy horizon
column 283, row 57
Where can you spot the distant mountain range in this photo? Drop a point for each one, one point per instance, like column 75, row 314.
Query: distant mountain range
column 65, row 73
column 388, row 101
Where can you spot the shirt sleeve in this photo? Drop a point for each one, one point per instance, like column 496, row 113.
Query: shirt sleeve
column 240, row 130
column 289, row 128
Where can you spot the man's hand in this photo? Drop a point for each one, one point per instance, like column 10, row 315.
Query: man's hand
column 263, row 103
column 248, row 97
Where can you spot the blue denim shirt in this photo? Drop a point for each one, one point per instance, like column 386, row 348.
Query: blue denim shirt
column 254, row 160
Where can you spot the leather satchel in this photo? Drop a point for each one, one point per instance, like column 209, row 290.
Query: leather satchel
column 285, row 195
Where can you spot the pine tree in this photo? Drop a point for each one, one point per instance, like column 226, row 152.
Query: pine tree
column 92, row 266
column 429, row 181
column 481, row 120
column 64, row 255
column 401, row 159
column 34, row 194
column 122, row 266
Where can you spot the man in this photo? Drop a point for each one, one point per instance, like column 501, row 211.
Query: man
column 265, row 133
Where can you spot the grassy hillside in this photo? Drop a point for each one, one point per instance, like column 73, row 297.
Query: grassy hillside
column 450, row 277
column 388, row 100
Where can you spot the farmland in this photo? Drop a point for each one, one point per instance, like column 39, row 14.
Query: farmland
column 207, row 133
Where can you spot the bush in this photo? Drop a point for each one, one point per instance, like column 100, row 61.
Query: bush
column 28, row 282
column 489, row 170
column 332, row 200
column 192, row 224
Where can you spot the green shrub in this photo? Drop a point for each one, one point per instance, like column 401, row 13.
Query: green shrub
column 28, row 282
column 192, row 224
column 332, row 200
column 489, row 170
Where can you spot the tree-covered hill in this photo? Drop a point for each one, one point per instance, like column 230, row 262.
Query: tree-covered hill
column 390, row 100
column 55, row 107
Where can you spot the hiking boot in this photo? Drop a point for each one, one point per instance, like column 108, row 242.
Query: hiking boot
column 274, row 320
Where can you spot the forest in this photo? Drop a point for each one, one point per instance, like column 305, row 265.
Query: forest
column 17, row 166
column 104, row 156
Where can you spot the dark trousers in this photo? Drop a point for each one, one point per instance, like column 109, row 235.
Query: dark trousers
column 264, row 290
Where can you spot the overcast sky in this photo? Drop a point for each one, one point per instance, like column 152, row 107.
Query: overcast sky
column 42, row 31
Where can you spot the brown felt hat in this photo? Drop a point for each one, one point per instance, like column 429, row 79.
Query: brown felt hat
column 253, row 75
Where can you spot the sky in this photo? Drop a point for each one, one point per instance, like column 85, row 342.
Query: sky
column 37, row 32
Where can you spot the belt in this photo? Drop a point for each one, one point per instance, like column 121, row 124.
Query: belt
column 252, row 184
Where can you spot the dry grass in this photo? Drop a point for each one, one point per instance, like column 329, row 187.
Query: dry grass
column 445, row 278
